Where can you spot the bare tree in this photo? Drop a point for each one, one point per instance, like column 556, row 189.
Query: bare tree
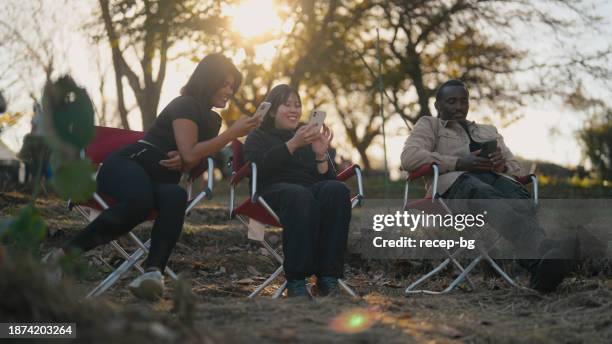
column 143, row 31
column 33, row 44
column 475, row 40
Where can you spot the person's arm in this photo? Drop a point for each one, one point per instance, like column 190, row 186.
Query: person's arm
column 268, row 158
column 320, row 146
column 192, row 151
column 322, row 164
column 419, row 146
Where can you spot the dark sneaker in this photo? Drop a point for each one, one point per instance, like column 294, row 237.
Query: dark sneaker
column 328, row 286
column 549, row 272
column 297, row 288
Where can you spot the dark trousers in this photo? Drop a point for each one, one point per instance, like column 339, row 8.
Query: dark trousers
column 515, row 220
column 139, row 184
column 315, row 223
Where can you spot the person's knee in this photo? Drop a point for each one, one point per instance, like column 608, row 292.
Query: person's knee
column 487, row 192
column 336, row 190
column 472, row 188
column 299, row 196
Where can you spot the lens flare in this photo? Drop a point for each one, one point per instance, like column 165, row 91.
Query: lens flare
column 354, row 321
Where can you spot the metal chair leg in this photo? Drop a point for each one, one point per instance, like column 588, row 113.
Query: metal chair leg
column 463, row 275
column 115, row 275
column 500, row 271
column 347, row 288
column 277, row 294
column 440, row 267
column 125, row 255
column 266, row 282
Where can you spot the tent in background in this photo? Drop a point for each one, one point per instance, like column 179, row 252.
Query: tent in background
column 6, row 153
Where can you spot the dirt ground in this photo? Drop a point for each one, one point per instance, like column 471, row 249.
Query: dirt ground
column 221, row 267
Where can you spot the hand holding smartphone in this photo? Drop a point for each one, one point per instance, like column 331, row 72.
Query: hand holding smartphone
column 317, row 117
column 488, row 148
column 262, row 109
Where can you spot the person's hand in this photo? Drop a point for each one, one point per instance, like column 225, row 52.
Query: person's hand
column 498, row 161
column 472, row 162
column 174, row 163
column 321, row 144
column 245, row 125
column 305, row 135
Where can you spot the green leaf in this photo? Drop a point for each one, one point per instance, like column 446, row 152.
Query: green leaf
column 68, row 115
column 27, row 230
column 74, row 180
column 74, row 120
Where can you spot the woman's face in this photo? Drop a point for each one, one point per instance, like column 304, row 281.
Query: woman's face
column 223, row 94
column 288, row 114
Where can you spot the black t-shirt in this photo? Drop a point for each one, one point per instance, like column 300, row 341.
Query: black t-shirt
column 161, row 133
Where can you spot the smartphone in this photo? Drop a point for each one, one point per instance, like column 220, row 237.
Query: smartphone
column 488, row 148
column 262, row 109
column 317, row 117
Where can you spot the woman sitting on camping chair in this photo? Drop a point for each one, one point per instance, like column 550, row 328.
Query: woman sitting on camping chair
column 296, row 178
column 144, row 176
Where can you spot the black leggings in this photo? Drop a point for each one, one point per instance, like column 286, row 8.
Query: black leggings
column 135, row 179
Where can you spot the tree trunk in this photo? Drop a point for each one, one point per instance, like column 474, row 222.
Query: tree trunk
column 413, row 69
column 365, row 160
column 121, row 100
column 148, row 102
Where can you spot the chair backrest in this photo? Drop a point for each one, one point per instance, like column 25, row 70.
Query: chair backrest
column 237, row 156
column 109, row 140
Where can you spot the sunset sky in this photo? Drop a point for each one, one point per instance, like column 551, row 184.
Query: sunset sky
column 528, row 137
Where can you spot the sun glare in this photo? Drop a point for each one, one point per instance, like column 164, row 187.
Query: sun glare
column 252, row 18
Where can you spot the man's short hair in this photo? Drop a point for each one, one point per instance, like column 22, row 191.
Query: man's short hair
column 451, row 82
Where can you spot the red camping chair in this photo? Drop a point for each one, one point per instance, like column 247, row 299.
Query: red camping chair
column 107, row 141
column 435, row 204
column 255, row 213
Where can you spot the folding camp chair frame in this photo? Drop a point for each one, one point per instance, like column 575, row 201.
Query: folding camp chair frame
column 250, row 169
column 133, row 260
column 451, row 257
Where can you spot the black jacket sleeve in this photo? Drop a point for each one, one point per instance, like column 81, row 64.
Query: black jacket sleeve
column 331, row 171
column 268, row 157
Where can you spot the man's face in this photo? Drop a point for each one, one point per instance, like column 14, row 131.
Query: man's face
column 453, row 104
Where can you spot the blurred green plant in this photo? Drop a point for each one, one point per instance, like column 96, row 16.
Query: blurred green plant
column 68, row 127
column 25, row 231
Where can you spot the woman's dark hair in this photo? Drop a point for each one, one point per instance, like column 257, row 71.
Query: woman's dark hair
column 276, row 97
column 209, row 76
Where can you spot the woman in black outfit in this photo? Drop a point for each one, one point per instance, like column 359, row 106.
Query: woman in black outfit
column 145, row 175
column 297, row 179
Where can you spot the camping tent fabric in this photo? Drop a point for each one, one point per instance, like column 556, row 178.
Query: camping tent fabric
column 6, row 153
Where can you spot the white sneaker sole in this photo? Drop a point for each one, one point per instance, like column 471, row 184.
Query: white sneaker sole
column 148, row 289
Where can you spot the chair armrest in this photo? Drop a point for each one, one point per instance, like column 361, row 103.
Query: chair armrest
column 200, row 168
column 526, row 179
column 423, row 170
column 207, row 164
column 353, row 170
column 245, row 171
column 347, row 173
